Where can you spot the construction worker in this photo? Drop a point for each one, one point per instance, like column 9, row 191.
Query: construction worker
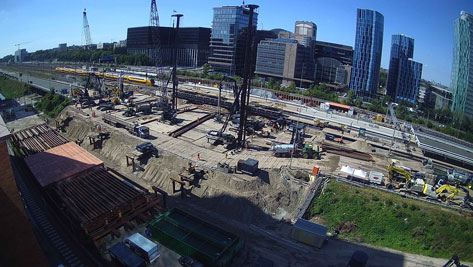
column 226, row 155
column 198, row 156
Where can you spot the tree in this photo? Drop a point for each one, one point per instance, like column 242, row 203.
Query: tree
column 359, row 102
column 350, row 97
column 383, row 76
column 205, row 70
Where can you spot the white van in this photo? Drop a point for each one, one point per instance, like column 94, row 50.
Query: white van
column 143, row 247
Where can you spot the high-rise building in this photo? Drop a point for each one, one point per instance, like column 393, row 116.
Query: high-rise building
column 332, row 63
column 20, row 55
column 228, row 38
column 462, row 69
column 192, row 48
column 404, row 74
column 305, row 32
column 283, row 60
column 367, row 54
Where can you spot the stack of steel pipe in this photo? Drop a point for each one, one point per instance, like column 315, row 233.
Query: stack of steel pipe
column 37, row 139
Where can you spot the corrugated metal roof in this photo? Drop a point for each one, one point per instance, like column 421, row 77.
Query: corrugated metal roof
column 61, row 162
column 311, row 227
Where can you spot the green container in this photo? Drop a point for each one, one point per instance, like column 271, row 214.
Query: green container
column 192, row 237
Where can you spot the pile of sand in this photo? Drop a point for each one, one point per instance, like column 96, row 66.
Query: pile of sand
column 361, row 146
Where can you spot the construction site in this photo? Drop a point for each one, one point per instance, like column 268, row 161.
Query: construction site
column 215, row 172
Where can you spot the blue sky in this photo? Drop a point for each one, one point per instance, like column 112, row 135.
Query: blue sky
column 47, row 23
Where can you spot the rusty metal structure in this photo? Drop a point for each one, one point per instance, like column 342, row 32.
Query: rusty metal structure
column 100, row 201
column 37, row 139
column 347, row 152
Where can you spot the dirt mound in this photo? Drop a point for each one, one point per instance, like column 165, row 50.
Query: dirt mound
column 361, row 146
column 245, row 200
column 346, row 227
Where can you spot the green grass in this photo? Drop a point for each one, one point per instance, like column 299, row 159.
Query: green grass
column 388, row 220
column 12, row 89
column 52, row 104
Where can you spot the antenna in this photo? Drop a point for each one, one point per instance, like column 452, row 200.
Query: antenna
column 88, row 40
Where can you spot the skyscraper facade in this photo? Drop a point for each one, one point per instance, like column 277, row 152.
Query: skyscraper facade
column 305, row 32
column 462, row 69
column 229, row 31
column 367, row 54
column 404, row 74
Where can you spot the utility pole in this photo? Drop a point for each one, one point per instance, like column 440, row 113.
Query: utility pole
column 246, row 78
column 174, row 70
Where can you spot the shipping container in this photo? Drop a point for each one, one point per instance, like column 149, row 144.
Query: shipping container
column 121, row 254
column 309, row 233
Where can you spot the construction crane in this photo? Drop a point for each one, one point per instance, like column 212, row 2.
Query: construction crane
column 18, row 45
column 156, row 51
column 247, row 72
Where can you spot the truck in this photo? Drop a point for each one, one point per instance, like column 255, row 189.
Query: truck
column 287, row 149
column 145, row 108
column 142, row 246
column 135, row 129
column 249, row 166
column 122, row 255
column 147, row 148
column 218, row 136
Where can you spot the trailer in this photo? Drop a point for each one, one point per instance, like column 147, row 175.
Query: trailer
column 287, row 149
column 138, row 130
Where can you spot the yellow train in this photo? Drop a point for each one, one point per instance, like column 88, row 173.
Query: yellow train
column 108, row 76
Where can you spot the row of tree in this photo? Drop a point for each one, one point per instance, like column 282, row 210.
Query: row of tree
column 81, row 55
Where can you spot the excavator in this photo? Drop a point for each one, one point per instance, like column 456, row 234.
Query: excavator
column 449, row 189
column 398, row 176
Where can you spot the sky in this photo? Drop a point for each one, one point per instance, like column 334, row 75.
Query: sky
column 46, row 23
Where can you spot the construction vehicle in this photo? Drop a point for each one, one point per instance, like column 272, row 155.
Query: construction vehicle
column 287, row 149
column 220, row 136
column 138, row 130
column 129, row 112
column 145, row 108
column 454, row 261
column 147, row 148
column 447, row 189
column 398, row 176
column 321, row 124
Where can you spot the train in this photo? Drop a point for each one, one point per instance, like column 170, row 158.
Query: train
column 109, row 76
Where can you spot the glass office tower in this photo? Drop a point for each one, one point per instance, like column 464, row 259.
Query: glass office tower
column 462, row 70
column 228, row 38
column 367, row 54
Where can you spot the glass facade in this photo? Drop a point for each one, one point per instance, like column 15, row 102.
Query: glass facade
column 367, row 55
column 228, row 38
column 409, row 74
column 404, row 74
column 462, row 70
column 270, row 58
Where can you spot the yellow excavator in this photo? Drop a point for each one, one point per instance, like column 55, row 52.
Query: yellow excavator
column 446, row 188
column 397, row 176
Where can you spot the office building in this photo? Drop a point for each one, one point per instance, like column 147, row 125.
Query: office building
column 367, row 54
column 62, row 47
column 342, row 53
column 332, row 63
column 228, row 38
column 404, row 74
column 284, row 60
column 20, row 55
column 462, row 70
column 192, row 48
column 104, row 45
column 305, row 33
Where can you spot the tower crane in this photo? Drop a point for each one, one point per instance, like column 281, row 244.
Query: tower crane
column 18, row 45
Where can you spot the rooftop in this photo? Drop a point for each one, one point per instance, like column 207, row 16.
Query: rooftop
column 60, row 162
column 4, row 132
column 311, row 227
